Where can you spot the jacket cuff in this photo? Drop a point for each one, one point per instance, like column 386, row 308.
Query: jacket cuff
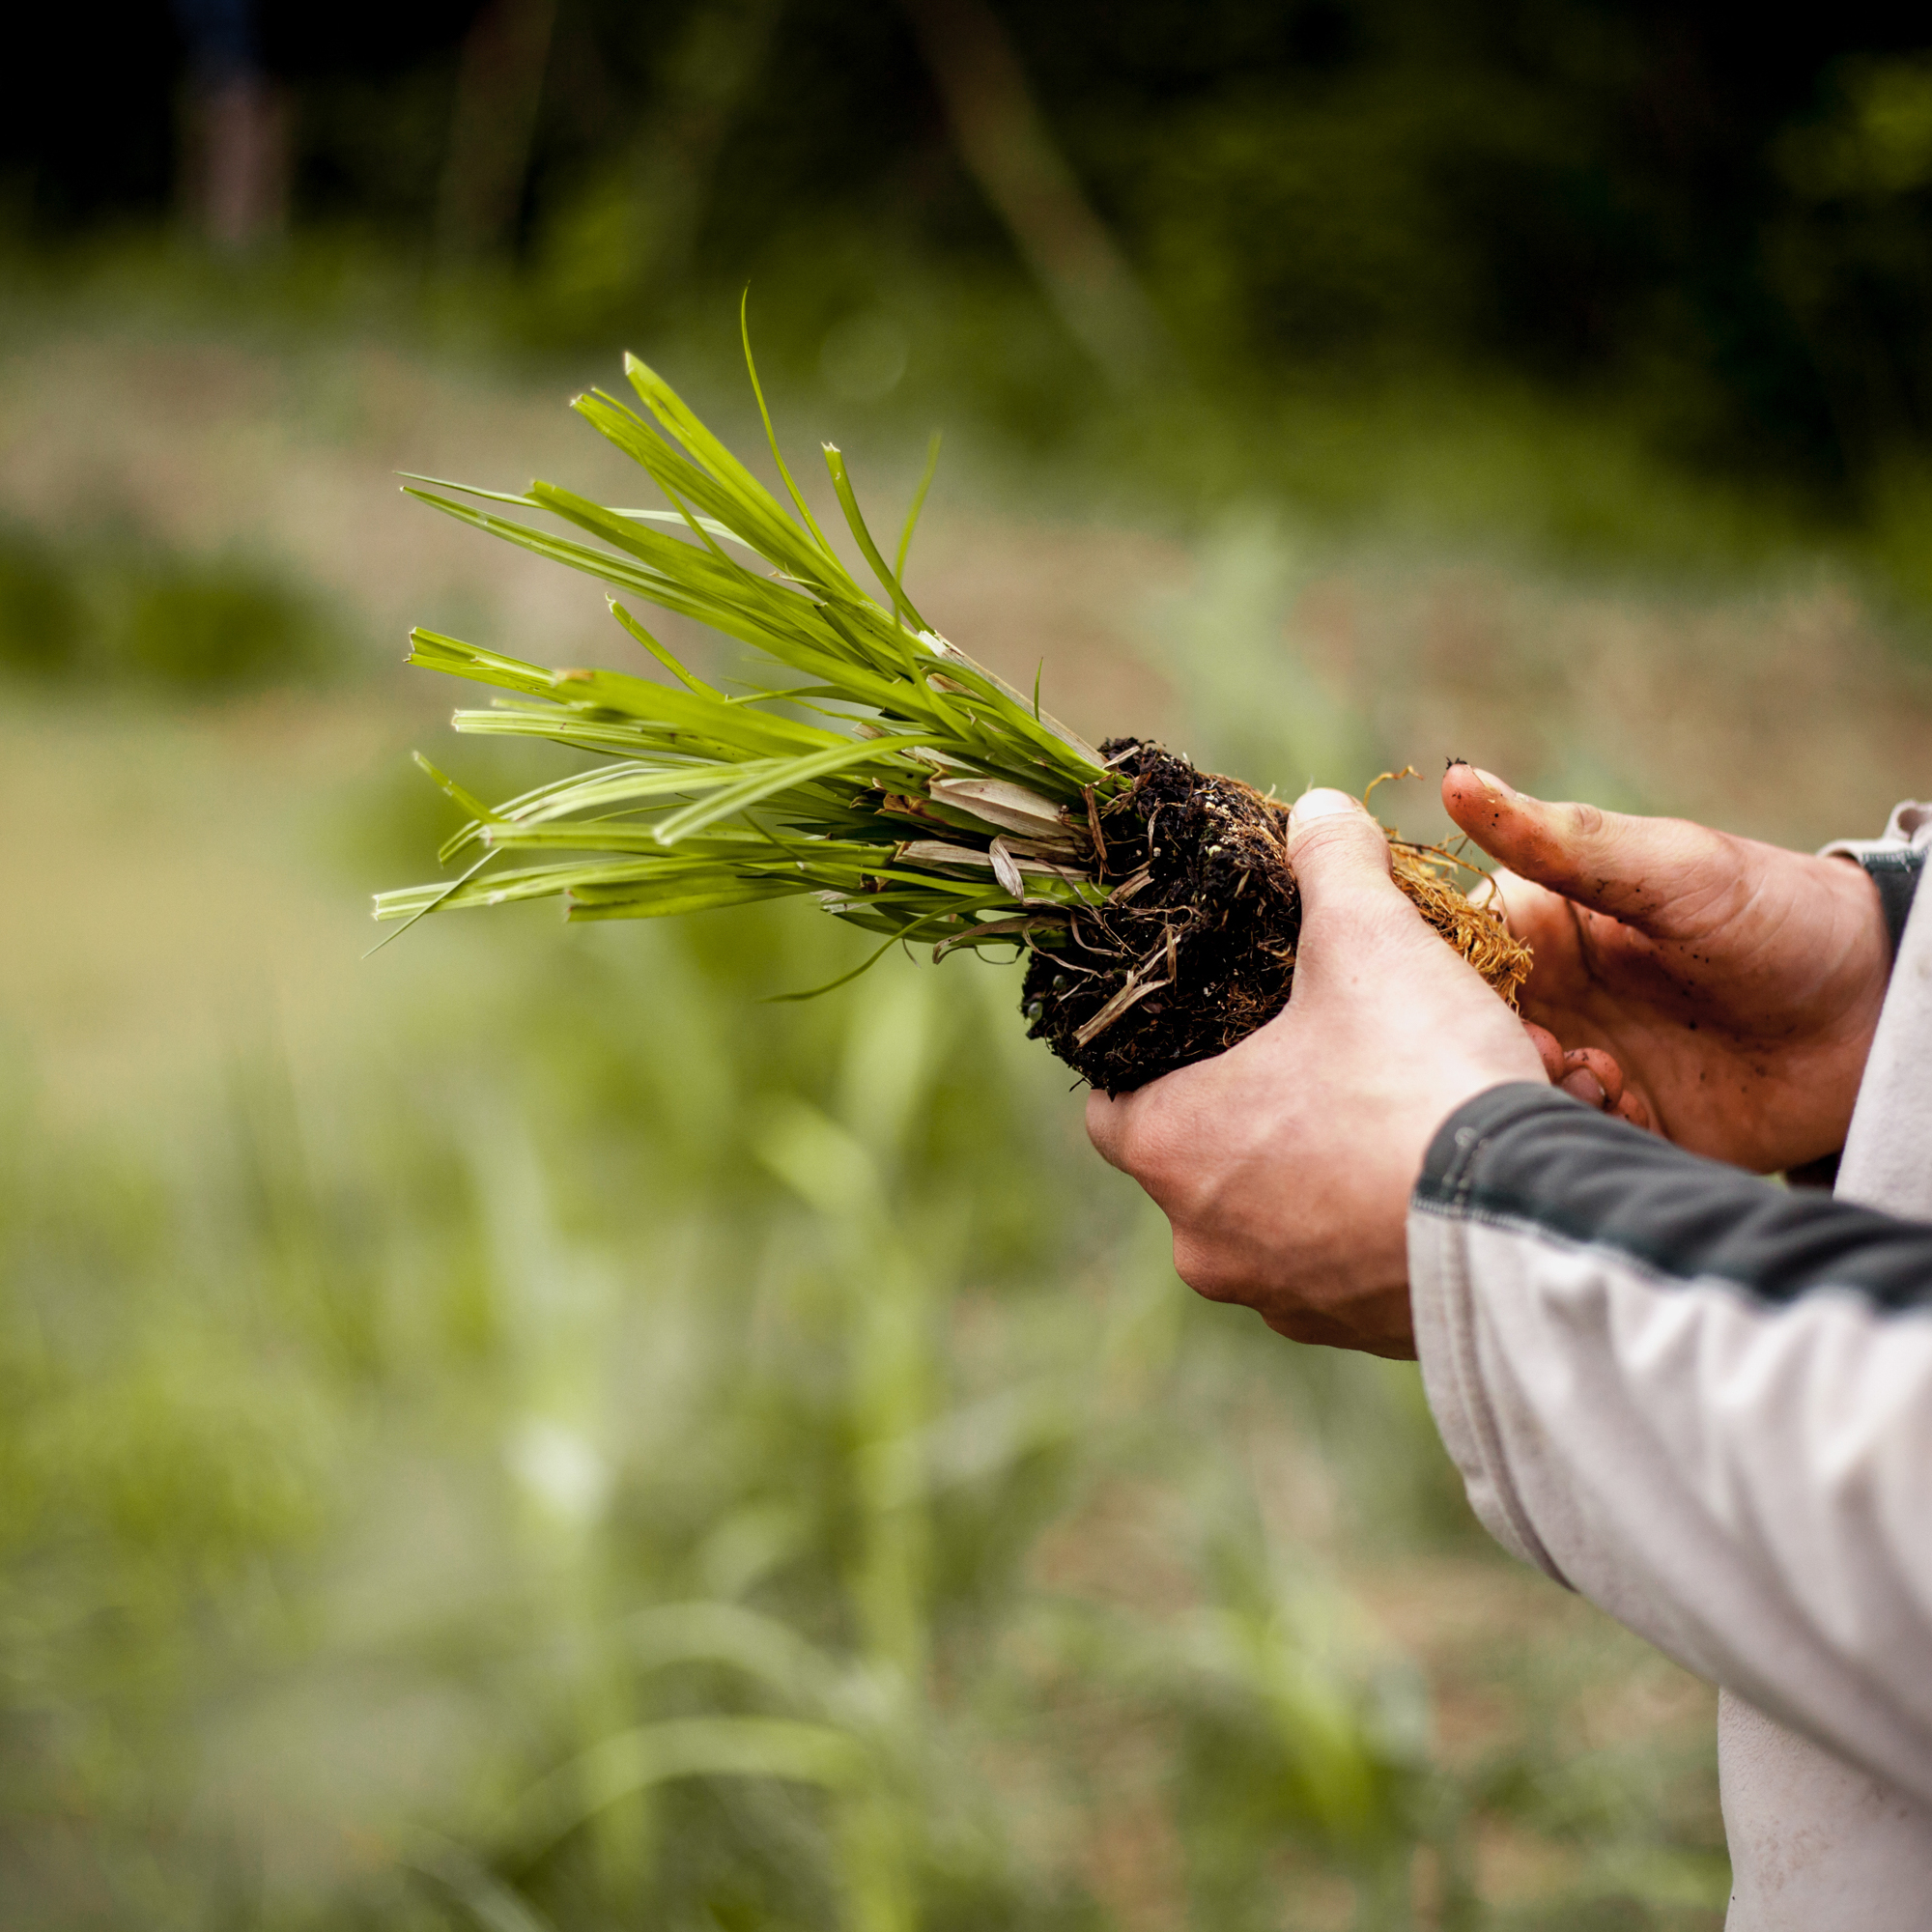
column 1895, row 870
column 1893, row 862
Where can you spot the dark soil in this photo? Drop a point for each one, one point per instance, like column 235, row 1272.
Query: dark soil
column 1200, row 928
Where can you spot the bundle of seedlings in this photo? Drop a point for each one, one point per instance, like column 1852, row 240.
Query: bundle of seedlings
column 914, row 793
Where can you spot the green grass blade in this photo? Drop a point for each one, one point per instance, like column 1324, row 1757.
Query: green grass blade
column 586, row 905
column 738, row 500
column 627, row 785
column 435, row 899
column 853, row 754
column 680, row 1747
column 672, row 411
column 765, row 415
column 848, row 501
column 670, row 664
column 515, row 498
column 723, row 531
column 725, row 1633
column 917, row 505
column 480, row 814
column 863, row 967
column 721, row 799
column 900, row 937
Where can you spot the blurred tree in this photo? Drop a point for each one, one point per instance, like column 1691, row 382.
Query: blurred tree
column 623, row 231
column 234, row 128
column 1719, row 224
column 1004, row 142
column 498, row 87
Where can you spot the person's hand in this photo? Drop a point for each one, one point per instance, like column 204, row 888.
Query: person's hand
column 1735, row 985
column 1284, row 1164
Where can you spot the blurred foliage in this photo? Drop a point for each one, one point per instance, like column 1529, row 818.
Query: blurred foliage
column 43, row 612
column 118, row 607
column 605, row 1452
column 1717, row 229
column 612, row 1452
column 724, row 1466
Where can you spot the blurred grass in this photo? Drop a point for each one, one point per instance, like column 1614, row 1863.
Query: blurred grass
column 519, row 1434
column 887, row 339
column 362, row 1438
column 116, row 611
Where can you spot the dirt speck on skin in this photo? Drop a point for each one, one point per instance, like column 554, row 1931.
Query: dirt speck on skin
column 1194, row 947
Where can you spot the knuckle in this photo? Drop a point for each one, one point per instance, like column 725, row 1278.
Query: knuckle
column 1106, row 1129
column 1146, row 1147
column 1203, row 1265
column 1136, row 1145
column 1297, row 1326
column 1210, row 1283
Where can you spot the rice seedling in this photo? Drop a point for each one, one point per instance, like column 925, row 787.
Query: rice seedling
column 916, row 793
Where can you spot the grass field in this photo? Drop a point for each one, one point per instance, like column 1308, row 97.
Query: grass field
column 515, row 1432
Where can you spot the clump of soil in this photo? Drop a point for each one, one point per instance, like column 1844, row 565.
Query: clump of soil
column 1194, row 948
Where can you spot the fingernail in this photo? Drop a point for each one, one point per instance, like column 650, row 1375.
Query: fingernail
column 1495, row 783
column 1583, row 1084
column 1321, row 802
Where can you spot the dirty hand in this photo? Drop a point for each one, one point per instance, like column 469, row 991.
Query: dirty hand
column 1284, row 1164
column 1736, row 985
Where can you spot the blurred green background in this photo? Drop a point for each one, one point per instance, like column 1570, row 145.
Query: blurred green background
column 519, row 1433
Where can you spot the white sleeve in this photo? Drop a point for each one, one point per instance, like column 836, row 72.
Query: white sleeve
column 1702, row 1400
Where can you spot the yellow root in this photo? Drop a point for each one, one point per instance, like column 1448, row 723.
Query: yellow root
column 1478, row 934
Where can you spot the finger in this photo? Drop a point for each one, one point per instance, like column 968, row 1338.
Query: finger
column 1641, row 870
column 1581, row 1084
column 1599, row 1066
column 1547, row 1048
column 1337, row 851
column 1544, row 920
column 1632, row 1108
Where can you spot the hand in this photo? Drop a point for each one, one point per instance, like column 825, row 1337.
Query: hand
column 1590, row 1074
column 1736, row 985
column 1284, row 1164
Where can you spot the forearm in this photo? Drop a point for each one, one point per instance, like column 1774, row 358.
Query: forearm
column 1703, row 1401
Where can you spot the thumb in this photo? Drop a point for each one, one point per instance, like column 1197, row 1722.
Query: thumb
column 1336, row 850
column 1634, row 869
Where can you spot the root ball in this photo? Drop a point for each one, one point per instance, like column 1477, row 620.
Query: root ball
column 1194, row 947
